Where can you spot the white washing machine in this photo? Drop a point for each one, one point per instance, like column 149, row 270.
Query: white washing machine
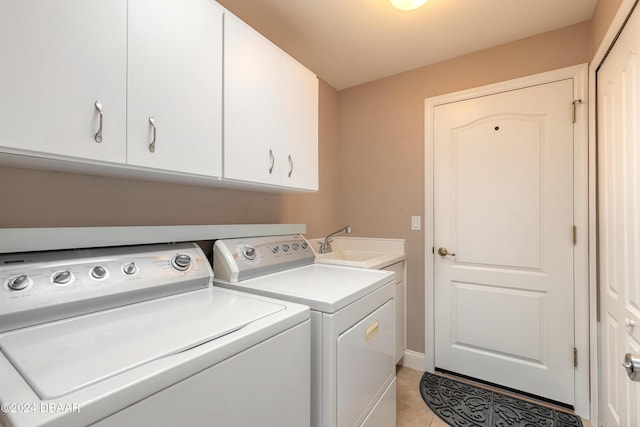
column 352, row 323
column 138, row 336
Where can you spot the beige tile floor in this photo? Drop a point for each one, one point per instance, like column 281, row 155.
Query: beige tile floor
column 411, row 411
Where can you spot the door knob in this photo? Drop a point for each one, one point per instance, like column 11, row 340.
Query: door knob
column 444, row 252
column 632, row 365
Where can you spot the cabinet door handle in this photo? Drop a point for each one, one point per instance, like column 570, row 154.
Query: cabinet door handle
column 98, row 135
column 290, row 165
column 152, row 144
column 273, row 161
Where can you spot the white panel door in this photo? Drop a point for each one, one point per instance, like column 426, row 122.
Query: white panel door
column 251, row 105
column 60, row 57
column 618, row 91
column 175, row 77
column 299, row 125
column 503, row 188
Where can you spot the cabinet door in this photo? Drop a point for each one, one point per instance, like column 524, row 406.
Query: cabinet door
column 175, row 86
column 251, row 105
column 58, row 58
column 299, row 125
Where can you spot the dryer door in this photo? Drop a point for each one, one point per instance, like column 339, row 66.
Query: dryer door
column 365, row 364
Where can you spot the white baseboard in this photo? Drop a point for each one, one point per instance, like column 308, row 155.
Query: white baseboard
column 413, row 360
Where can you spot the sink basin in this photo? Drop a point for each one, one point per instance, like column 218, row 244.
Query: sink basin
column 358, row 258
column 352, row 255
column 360, row 252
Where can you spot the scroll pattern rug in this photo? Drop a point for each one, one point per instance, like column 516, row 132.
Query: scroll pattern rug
column 463, row 405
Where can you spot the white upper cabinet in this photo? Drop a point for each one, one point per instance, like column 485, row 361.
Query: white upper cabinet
column 135, row 88
column 251, row 96
column 270, row 112
column 59, row 59
column 174, row 116
column 299, row 125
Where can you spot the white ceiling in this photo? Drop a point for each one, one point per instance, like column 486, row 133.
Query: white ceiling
column 349, row 42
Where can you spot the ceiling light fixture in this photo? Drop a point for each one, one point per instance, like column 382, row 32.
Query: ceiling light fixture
column 407, row 4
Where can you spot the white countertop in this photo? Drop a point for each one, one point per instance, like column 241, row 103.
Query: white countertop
column 44, row 239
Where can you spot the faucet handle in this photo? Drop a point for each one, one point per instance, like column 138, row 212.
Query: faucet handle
column 325, row 246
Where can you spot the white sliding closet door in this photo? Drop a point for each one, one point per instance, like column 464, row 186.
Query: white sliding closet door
column 618, row 83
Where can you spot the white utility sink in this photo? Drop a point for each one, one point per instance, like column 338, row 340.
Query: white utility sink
column 353, row 258
column 358, row 252
column 352, row 255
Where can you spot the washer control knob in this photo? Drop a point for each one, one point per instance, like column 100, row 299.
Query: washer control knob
column 130, row 269
column 98, row 272
column 181, row 262
column 275, row 249
column 62, row 278
column 295, row 246
column 249, row 252
column 18, row 283
column 304, row 245
column 285, row 247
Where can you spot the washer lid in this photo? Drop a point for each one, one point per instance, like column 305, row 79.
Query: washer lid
column 62, row 357
column 325, row 288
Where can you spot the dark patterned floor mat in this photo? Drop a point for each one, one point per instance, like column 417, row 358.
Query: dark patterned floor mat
column 463, row 405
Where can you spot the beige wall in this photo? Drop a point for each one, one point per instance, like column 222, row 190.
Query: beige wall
column 52, row 199
column 381, row 136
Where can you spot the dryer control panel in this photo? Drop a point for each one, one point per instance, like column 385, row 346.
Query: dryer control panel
column 245, row 258
column 44, row 286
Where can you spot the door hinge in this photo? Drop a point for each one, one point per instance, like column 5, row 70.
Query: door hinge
column 575, row 357
column 573, row 109
column 575, row 234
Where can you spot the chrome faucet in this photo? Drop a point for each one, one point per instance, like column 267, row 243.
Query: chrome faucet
column 325, row 246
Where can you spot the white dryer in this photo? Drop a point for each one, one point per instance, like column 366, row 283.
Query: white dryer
column 138, row 336
column 352, row 323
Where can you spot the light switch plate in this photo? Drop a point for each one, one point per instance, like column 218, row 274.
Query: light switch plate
column 416, row 222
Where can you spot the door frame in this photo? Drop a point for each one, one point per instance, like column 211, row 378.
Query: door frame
column 581, row 180
column 615, row 27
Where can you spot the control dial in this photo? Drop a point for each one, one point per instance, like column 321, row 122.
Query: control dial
column 130, row 269
column 18, row 283
column 62, row 278
column 249, row 252
column 98, row 272
column 181, row 262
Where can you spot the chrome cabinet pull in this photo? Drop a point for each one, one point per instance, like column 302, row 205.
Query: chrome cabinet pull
column 152, row 144
column 98, row 135
column 290, row 165
column 273, row 161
